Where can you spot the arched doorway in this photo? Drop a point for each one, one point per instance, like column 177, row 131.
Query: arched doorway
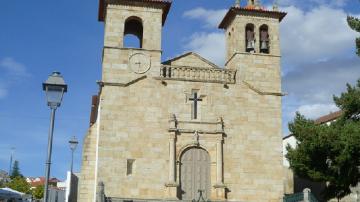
column 195, row 174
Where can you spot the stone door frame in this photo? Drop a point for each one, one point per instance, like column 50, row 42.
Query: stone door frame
column 206, row 135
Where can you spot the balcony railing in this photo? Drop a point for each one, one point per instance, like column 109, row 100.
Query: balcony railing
column 197, row 74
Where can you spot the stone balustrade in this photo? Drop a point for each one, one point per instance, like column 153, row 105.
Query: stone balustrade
column 197, row 74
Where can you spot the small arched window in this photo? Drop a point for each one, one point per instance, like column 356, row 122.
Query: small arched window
column 250, row 38
column 264, row 39
column 133, row 32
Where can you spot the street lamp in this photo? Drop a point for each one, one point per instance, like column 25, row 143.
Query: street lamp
column 54, row 88
column 73, row 143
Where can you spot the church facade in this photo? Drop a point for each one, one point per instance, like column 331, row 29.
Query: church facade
column 185, row 129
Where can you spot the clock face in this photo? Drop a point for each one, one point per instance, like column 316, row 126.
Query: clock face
column 139, row 63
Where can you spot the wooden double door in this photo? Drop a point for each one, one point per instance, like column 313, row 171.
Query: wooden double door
column 195, row 174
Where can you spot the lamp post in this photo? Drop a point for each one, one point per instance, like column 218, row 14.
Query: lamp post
column 73, row 143
column 54, row 88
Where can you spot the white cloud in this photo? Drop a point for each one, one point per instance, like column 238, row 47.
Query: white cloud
column 338, row 3
column 212, row 18
column 315, row 111
column 209, row 45
column 11, row 72
column 13, row 67
column 312, row 3
column 311, row 87
column 315, row 35
column 317, row 83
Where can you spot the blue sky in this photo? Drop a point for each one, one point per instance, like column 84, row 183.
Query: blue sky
column 38, row 37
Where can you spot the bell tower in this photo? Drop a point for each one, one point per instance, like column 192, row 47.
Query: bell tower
column 253, row 44
column 143, row 20
column 247, row 27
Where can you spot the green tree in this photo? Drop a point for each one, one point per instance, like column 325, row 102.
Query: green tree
column 16, row 170
column 19, row 184
column 330, row 153
column 354, row 23
column 38, row 192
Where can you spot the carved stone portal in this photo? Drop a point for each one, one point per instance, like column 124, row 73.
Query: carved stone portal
column 193, row 144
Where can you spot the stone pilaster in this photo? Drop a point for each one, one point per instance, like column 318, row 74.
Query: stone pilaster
column 219, row 163
column 172, row 151
column 219, row 186
column 171, row 185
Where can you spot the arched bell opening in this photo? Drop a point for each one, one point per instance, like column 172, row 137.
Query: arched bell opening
column 133, row 33
column 250, row 38
column 264, row 39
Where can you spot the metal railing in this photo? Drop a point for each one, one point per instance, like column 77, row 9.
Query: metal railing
column 305, row 196
column 294, row 197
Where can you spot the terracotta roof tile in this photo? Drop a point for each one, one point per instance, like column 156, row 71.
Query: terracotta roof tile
column 330, row 117
column 34, row 183
column 324, row 119
column 165, row 3
column 249, row 10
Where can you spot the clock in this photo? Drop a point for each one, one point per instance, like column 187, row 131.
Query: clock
column 139, row 63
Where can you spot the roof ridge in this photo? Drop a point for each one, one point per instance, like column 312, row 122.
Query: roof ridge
column 191, row 53
column 268, row 13
column 329, row 117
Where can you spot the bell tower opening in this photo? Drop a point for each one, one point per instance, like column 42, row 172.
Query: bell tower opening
column 264, row 39
column 133, row 33
column 250, row 38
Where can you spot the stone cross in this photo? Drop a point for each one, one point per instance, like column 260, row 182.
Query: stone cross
column 195, row 99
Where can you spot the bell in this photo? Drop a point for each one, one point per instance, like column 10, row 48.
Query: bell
column 264, row 45
column 250, row 45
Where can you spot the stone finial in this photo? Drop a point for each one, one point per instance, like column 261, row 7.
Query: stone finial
column 254, row 4
column 250, row 3
column 276, row 5
column 237, row 3
column 257, row 4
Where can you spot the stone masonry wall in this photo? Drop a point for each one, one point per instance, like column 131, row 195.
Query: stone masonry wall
column 134, row 123
column 87, row 176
